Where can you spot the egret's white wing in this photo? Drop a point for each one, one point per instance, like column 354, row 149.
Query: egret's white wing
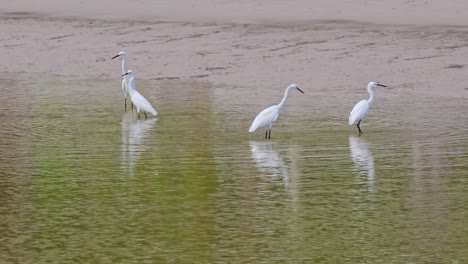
column 359, row 111
column 265, row 118
column 141, row 102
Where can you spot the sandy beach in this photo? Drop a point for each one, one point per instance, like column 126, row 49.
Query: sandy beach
column 413, row 47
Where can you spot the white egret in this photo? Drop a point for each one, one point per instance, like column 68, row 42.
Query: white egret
column 266, row 117
column 137, row 99
column 125, row 82
column 361, row 109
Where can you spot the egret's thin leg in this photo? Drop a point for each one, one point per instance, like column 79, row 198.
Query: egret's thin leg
column 125, row 104
column 266, row 134
column 359, row 127
column 146, row 117
column 269, row 133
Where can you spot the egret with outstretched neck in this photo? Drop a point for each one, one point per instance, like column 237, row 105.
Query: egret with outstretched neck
column 361, row 109
column 125, row 82
column 138, row 100
column 269, row 115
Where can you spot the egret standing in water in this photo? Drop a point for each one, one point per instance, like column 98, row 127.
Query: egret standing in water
column 137, row 99
column 269, row 115
column 125, row 82
column 361, row 109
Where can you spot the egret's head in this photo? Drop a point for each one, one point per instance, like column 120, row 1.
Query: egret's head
column 122, row 53
column 372, row 85
column 129, row 73
column 295, row 86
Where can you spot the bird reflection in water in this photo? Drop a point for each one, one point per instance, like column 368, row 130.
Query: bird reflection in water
column 268, row 160
column 362, row 159
column 134, row 134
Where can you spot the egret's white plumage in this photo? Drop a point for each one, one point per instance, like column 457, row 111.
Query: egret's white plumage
column 269, row 115
column 125, row 81
column 265, row 118
column 138, row 100
column 361, row 109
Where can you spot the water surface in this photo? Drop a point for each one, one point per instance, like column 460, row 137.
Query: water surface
column 84, row 182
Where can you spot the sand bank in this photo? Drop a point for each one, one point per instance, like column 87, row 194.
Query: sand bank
column 411, row 46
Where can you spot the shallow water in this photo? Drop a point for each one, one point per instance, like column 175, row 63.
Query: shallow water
column 84, row 182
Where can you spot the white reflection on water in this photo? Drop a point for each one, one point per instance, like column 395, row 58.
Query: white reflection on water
column 362, row 159
column 134, row 132
column 268, row 160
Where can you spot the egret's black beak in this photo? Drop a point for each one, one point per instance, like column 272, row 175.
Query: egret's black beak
column 115, row 56
column 381, row 85
column 125, row 74
column 300, row 90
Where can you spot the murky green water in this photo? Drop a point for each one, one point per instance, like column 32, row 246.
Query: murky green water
column 83, row 182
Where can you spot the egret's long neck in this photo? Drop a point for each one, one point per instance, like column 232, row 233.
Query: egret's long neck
column 131, row 86
column 286, row 94
column 124, row 64
column 371, row 96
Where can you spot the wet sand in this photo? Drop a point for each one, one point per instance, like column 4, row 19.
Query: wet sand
column 320, row 45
